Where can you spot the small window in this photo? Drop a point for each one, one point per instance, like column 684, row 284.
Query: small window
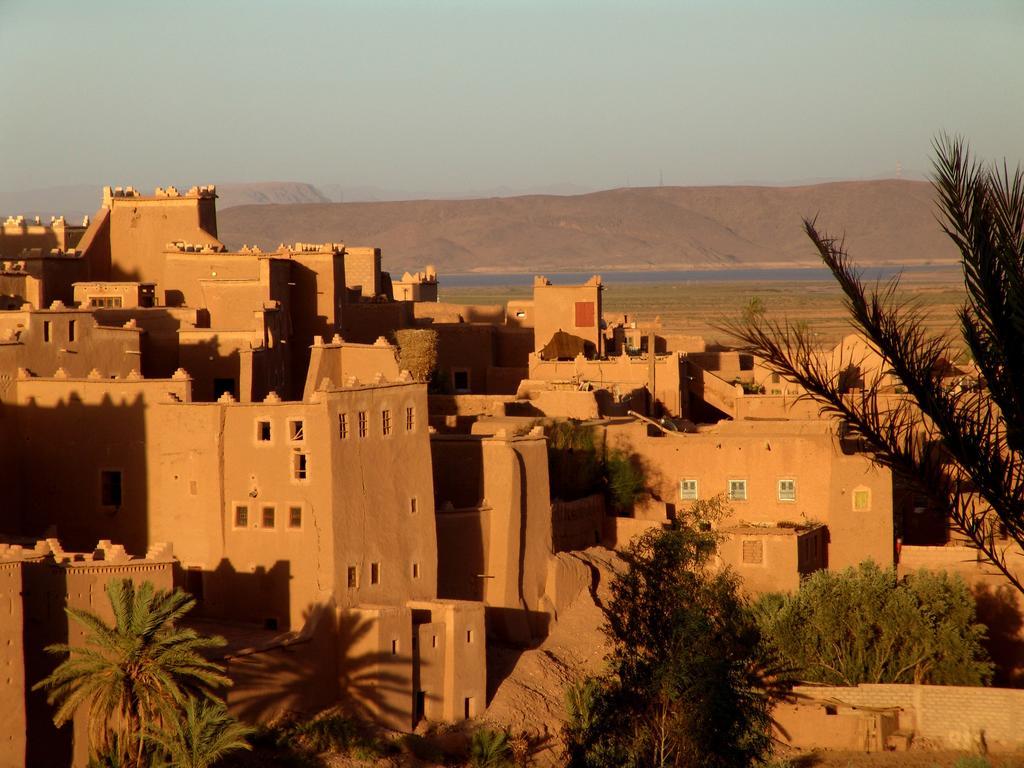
column 299, row 466
column 753, row 552
column 294, row 517
column 787, row 490
column 46, row 331
column 394, row 647
column 468, row 707
column 738, row 490
column 460, row 380
column 385, row 422
column 263, row 431
column 110, row 488
column 353, row 577
column 295, row 430
column 415, row 570
column 268, row 517
column 362, row 423
column 520, row 313
column 861, row 500
column 412, row 506
column 343, row 426
column 375, row 573
column 433, row 641
column 241, row 516
column 775, row 378
column 71, row 329
column 688, row 490
column 469, row 635
column 410, row 419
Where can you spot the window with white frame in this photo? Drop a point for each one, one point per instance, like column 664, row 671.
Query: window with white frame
column 737, row 490
column 688, row 490
column 787, row 490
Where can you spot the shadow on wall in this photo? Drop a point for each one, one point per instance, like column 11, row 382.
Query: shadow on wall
column 101, row 494
column 999, row 610
column 260, row 596
column 213, row 372
column 45, row 743
column 323, row 667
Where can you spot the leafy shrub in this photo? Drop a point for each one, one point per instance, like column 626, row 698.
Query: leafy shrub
column 417, row 352
column 865, row 625
column 574, row 465
column 624, row 478
column 490, row 748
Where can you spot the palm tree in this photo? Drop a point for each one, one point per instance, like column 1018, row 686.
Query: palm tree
column 134, row 674
column 963, row 447
column 202, row 735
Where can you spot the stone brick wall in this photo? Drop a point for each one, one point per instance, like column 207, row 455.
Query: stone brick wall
column 950, row 715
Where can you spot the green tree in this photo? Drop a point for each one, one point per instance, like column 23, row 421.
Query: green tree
column 690, row 682
column 865, row 625
column 962, row 447
column 135, row 674
column 200, row 737
column 490, row 748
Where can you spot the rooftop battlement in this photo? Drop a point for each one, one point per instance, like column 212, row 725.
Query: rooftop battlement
column 18, row 222
column 312, row 248
column 110, row 194
column 105, row 553
column 182, row 247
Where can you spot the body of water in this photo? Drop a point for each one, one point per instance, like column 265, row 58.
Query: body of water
column 692, row 276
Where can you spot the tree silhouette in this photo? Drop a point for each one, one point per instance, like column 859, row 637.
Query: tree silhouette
column 961, row 446
column 133, row 675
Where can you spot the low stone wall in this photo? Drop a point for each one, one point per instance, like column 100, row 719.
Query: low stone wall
column 948, row 716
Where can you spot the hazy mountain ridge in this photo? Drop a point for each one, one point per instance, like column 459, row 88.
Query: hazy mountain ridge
column 885, row 222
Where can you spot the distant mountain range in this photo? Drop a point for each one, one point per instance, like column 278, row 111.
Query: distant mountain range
column 887, row 222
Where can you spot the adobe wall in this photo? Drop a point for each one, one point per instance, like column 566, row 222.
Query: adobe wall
column 141, row 227
column 52, row 580
column 108, row 425
column 620, row 375
column 951, row 716
column 383, row 504
column 447, row 312
column 577, row 524
column 45, row 344
column 160, row 326
column 362, row 271
column 494, row 526
column 772, row 559
column 338, row 361
column 317, row 291
column 13, row 722
column 376, row 664
column 762, row 453
column 364, row 323
column 18, row 234
column 289, row 674
column 575, row 309
column 464, row 691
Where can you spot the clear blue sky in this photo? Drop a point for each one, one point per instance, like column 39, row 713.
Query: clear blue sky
column 448, row 97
